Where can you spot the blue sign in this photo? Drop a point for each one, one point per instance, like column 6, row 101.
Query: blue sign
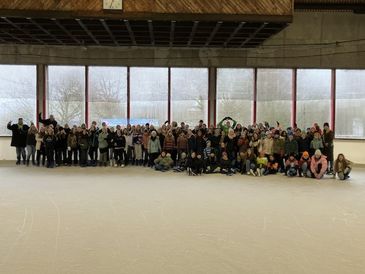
column 124, row 122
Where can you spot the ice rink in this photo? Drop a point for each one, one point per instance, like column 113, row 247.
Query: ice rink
column 136, row 220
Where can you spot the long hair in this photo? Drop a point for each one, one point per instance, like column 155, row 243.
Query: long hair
column 344, row 162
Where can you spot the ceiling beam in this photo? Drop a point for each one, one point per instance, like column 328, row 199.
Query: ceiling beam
column 106, row 27
column 130, row 31
column 45, row 31
column 234, row 33
column 192, row 33
column 68, row 33
column 215, row 30
column 83, row 26
column 21, row 29
column 172, row 33
column 12, row 36
column 248, row 39
column 150, row 29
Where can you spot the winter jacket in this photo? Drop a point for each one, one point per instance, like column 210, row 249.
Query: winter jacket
column 119, row 142
column 31, row 141
column 145, row 140
column 72, row 141
column 103, row 140
column 303, row 144
column 84, row 141
column 291, row 147
column 169, row 143
column 243, row 144
column 317, row 143
column 19, row 137
column 200, row 144
column 225, row 164
column 191, row 143
column 154, row 145
column 166, row 161
column 93, row 138
column 278, row 146
column 261, row 161
column 303, row 160
column 182, row 143
column 47, row 122
column 290, row 163
column 315, row 162
column 268, row 146
column 49, row 142
column 214, row 141
column 39, row 145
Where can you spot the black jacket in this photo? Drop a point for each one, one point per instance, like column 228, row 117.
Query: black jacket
column 19, row 137
column 47, row 122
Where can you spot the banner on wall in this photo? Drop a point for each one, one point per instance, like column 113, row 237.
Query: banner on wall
column 124, row 122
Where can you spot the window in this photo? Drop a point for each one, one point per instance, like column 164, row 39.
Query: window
column 108, row 95
column 66, row 94
column 189, row 95
column 274, row 94
column 149, row 95
column 235, row 94
column 350, row 103
column 18, row 89
column 313, row 97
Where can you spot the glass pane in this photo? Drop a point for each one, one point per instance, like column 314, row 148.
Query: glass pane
column 108, row 95
column 149, row 95
column 66, row 94
column 235, row 94
column 313, row 97
column 189, row 95
column 274, row 91
column 350, row 103
column 18, row 89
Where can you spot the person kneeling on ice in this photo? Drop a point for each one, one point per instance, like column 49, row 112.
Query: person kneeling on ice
column 342, row 167
column 261, row 162
column 291, row 166
column 181, row 163
column 163, row 162
column 225, row 165
column 194, row 165
column 211, row 164
column 304, row 165
column 318, row 164
column 272, row 166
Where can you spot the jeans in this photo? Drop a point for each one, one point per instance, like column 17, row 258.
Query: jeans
column 138, row 152
column 73, row 151
column 249, row 166
column 305, row 170
column 50, row 157
column 20, row 152
column 119, row 155
column 31, row 152
column 344, row 174
column 83, row 157
column 93, row 154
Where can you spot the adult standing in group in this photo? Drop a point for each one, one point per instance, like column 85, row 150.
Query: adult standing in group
column 46, row 122
column 19, row 139
column 328, row 137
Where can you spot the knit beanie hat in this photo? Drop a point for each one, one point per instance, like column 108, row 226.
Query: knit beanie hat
column 305, row 154
column 318, row 153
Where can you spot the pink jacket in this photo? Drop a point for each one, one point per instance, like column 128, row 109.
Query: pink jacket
column 315, row 162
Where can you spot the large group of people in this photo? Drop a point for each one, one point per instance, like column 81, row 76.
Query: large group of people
column 230, row 148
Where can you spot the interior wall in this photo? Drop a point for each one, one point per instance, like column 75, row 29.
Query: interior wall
column 283, row 50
